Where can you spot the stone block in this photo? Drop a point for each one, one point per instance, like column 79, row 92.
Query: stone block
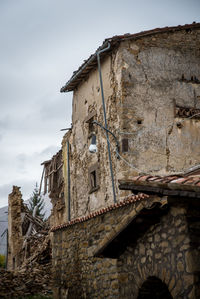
column 192, row 258
column 180, row 266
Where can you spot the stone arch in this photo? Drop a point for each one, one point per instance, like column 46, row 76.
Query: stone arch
column 154, row 288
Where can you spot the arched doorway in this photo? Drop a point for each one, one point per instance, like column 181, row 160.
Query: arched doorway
column 154, row 288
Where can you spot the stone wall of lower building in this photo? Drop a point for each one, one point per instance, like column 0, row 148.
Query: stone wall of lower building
column 193, row 255
column 162, row 253
column 75, row 271
column 89, row 262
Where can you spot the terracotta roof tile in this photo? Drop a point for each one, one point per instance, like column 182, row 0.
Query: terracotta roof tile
column 172, row 179
column 184, row 180
column 127, row 200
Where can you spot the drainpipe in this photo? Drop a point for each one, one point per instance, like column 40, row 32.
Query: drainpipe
column 105, row 120
column 68, row 185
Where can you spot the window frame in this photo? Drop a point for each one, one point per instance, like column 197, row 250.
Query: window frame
column 93, row 170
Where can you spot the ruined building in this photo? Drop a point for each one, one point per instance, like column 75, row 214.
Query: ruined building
column 28, row 253
column 126, row 218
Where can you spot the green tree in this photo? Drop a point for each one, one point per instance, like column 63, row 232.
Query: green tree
column 37, row 200
column 2, row 261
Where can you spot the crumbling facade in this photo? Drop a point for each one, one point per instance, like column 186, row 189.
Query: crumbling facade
column 15, row 240
column 29, row 252
column 22, row 228
column 151, row 87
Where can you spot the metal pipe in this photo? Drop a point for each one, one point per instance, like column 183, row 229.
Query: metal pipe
column 105, row 120
column 68, row 185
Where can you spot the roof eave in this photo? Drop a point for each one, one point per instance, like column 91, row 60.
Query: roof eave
column 91, row 62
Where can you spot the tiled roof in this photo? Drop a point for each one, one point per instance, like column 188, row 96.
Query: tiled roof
column 128, row 200
column 183, row 185
column 172, row 179
column 91, row 62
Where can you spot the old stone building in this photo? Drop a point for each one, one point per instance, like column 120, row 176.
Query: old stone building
column 125, row 220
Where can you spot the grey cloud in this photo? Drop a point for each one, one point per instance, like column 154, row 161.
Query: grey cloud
column 42, row 43
column 50, row 150
column 26, row 188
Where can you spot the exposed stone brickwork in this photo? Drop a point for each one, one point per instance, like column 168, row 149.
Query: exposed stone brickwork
column 162, row 250
column 15, row 239
column 76, row 270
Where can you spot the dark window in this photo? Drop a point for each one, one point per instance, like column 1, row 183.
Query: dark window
column 93, row 176
column 124, row 145
column 89, row 119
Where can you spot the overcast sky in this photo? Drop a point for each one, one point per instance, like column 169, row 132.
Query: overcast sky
column 42, row 43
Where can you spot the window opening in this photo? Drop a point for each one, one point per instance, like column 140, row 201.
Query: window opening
column 93, row 179
column 124, row 145
column 93, row 174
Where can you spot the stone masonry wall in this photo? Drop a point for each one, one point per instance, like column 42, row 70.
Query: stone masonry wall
column 76, row 271
column 15, row 239
column 193, row 255
column 161, row 252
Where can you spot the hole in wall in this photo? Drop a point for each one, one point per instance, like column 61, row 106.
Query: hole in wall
column 179, row 125
column 154, row 288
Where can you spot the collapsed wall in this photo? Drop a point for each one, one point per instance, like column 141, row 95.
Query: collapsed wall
column 29, row 252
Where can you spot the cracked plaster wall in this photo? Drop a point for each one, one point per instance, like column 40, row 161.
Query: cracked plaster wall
column 87, row 99
column 152, row 69
column 143, row 82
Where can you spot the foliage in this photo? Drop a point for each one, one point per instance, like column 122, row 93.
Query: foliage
column 2, row 261
column 37, row 200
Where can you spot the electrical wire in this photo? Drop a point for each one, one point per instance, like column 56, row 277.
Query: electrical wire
column 122, row 158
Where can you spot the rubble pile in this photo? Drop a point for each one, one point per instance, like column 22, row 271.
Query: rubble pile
column 34, row 275
column 16, row 285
